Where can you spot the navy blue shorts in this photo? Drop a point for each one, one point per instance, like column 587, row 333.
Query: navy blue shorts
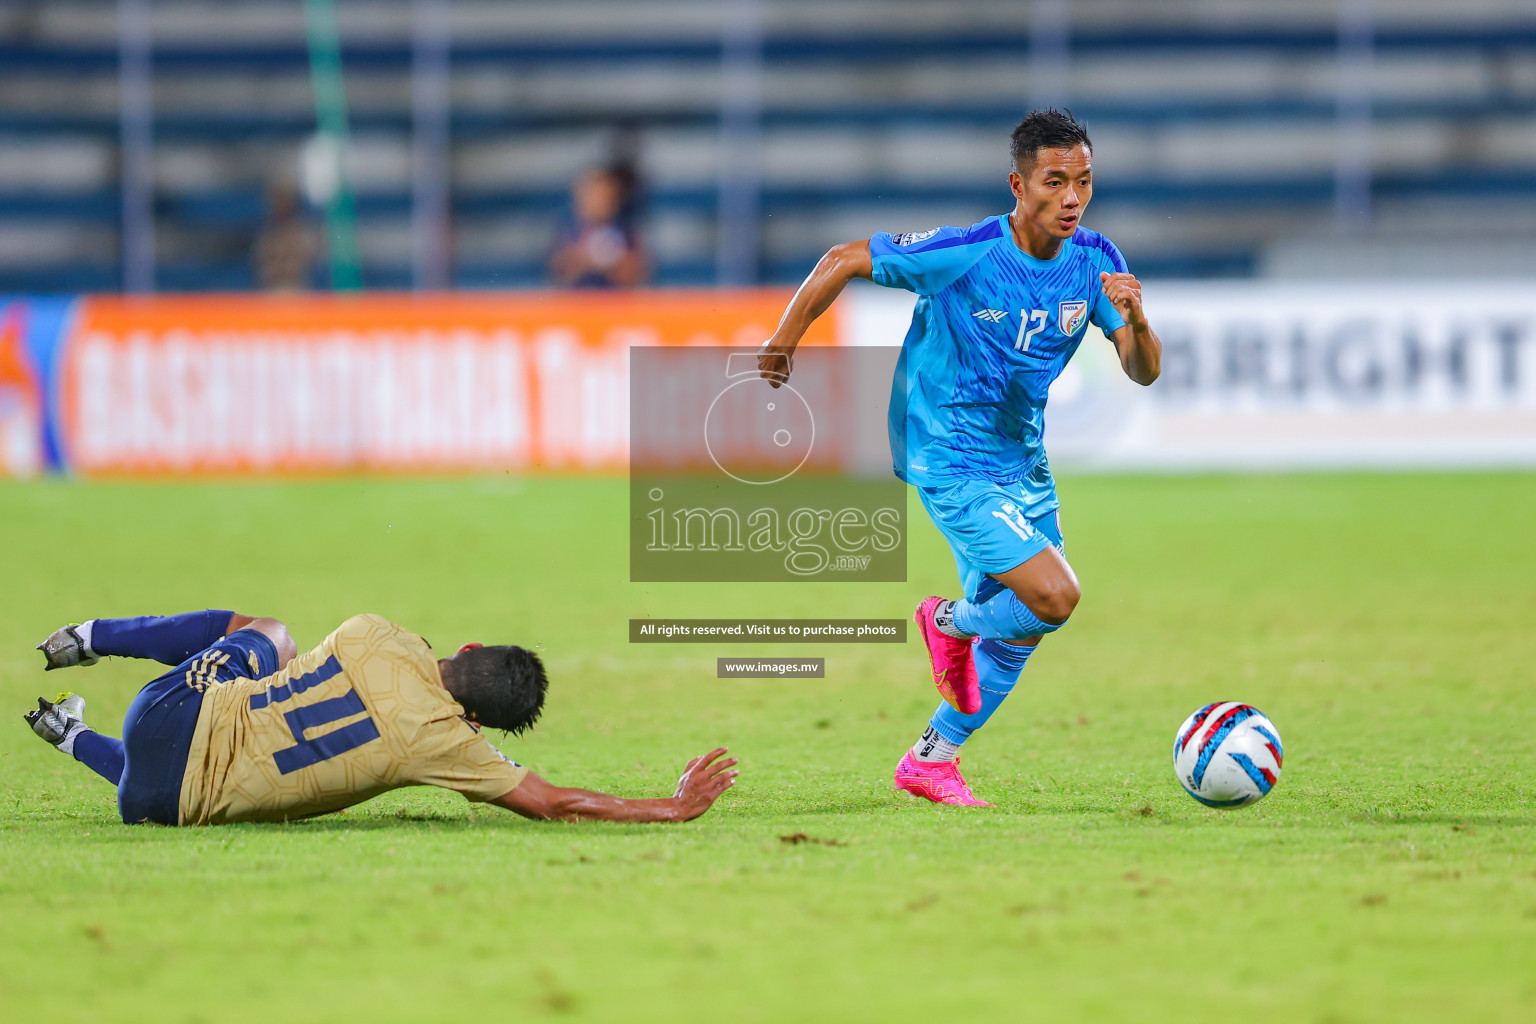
column 158, row 729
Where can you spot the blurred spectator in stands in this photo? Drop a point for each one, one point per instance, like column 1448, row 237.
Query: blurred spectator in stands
column 599, row 246
column 285, row 246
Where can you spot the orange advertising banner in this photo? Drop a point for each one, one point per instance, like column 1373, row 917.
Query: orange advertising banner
column 303, row 384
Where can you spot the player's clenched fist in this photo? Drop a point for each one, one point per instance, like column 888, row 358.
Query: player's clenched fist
column 774, row 361
column 1125, row 292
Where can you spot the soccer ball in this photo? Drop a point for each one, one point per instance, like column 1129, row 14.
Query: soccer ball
column 1227, row 754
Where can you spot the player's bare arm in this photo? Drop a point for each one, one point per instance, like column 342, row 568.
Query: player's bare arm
column 1141, row 352
column 826, row 282
column 702, row 782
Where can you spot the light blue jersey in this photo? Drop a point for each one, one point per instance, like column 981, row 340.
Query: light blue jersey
column 993, row 327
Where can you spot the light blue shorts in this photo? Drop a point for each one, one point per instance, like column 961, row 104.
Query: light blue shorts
column 990, row 529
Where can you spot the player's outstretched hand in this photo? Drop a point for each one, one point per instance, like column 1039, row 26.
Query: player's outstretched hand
column 65, row 648
column 1125, row 292
column 703, row 781
column 775, row 362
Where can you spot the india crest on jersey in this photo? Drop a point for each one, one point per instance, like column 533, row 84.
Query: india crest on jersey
column 1070, row 315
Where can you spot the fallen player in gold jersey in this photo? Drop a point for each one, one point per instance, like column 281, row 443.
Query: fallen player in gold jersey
column 244, row 728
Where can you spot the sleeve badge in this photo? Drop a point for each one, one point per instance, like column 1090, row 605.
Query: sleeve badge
column 909, row 237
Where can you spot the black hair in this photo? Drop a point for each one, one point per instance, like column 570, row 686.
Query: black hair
column 500, row 687
column 1046, row 129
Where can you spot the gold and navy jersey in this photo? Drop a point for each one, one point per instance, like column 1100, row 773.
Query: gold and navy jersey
column 363, row 713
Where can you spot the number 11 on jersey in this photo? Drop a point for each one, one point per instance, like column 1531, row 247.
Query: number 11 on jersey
column 1027, row 332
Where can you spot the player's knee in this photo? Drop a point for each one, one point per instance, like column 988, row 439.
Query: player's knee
column 1056, row 604
column 287, row 650
column 276, row 631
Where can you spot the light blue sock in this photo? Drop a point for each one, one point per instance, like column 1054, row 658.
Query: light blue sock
column 1001, row 617
column 998, row 666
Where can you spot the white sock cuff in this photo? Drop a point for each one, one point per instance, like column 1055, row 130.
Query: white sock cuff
column 83, row 631
column 944, row 621
column 932, row 747
column 67, row 744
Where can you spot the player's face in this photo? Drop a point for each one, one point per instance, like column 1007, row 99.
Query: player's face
column 1055, row 190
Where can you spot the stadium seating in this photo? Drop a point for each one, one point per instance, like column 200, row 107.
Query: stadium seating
column 1214, row 124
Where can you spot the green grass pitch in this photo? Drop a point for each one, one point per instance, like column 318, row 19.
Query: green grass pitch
column 1386, row 623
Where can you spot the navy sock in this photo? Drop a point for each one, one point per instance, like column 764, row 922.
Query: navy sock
column 168, row 639
column 101, row 754
column 1003, row 617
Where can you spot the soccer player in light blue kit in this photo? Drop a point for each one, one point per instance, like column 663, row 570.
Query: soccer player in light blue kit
column 1002, row 305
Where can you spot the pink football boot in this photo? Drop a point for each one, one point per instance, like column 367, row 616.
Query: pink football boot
column 954, row 670
column 939, row 781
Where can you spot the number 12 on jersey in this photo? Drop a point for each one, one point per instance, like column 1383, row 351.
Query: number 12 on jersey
column 1031, row 323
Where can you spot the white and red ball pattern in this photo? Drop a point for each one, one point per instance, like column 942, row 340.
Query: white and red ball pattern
column 1227, row 755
